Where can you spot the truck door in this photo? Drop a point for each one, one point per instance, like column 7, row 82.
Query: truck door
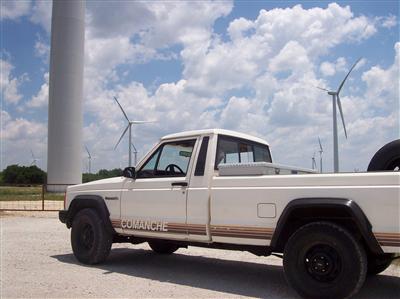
column 154, row 204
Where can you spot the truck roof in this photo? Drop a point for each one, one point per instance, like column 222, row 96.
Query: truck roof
column 215, row 132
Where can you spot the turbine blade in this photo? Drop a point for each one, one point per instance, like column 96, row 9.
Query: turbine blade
column 33, row 156
column 345, row 78
column 341, row 114
column 126, row 116
column 134, row 147
column 120, row 138
column 320, row 145
column 322, row 88
column 138, row 122
column 88, row 152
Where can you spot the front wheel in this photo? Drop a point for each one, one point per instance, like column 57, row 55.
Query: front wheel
column 323, row 260
column 91, row 241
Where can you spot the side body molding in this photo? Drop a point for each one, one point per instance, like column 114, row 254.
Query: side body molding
column 340, row 210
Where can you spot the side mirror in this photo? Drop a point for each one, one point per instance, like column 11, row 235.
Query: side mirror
column 129, row 172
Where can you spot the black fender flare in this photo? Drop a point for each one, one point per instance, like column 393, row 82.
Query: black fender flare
column 341, row 208
column 95, row 202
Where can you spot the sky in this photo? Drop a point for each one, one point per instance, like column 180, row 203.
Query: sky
column 249, row 66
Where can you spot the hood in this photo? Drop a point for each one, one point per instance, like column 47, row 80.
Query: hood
column 104, row 184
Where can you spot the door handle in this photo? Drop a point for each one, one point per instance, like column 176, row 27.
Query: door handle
column 183, row 184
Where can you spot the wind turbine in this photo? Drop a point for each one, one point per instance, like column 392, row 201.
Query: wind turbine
column 34, row 159
column 129, row 127
column 89, row 159
column 336, row 100
column 321, row 150
column 313, row 163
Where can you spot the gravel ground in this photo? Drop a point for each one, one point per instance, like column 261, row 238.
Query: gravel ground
column 36, row 261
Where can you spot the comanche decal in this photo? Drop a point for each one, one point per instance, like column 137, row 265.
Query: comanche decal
column 144, row 225
column 160, row 226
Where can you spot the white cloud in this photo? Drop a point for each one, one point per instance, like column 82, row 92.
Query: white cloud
column 14, row 9
column 383, row 85
column 389, row 21
column 41, row 14
column 9, row 84
column 19, row 136
column 328, row 69
column 42, row 97
column 42, row 49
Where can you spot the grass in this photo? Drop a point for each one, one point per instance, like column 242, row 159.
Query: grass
column 12, row 193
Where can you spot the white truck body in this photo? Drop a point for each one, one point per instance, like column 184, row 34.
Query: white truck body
column 236, row 209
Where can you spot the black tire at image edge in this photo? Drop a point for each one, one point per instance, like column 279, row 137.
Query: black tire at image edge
column 386, row 158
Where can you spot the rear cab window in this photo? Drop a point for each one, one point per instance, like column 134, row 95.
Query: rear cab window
column 237, row 150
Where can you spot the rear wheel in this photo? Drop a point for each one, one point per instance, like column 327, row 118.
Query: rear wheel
column 323, row 260
column 163, row 247
column 378, row 264
column 90, row 240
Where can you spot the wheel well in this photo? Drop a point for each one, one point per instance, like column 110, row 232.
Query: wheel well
column 346, row 214
column 94, row 202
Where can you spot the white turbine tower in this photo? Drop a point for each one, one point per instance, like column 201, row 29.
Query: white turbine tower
column 129, row 127
column 89, row 159
column 64, row 162
column 34, row 159
column 336, row 101
column 135, row 154
column 321, row 151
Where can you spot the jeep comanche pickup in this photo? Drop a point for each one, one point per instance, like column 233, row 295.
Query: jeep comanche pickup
column 220, row 189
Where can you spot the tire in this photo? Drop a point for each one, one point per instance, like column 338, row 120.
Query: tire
column 378, row 264
column 387, row 158
column 323, row 260
column 163, row 247
column 90, row 240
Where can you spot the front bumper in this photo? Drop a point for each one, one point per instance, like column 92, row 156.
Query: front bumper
column 62, row 215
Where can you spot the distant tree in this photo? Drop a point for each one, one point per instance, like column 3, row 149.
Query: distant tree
column 101, row 174
column 15, row 174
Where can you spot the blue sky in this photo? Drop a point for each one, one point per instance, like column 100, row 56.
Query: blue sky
column 250, row 66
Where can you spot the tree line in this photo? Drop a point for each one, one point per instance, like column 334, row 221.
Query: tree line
column 33, row 175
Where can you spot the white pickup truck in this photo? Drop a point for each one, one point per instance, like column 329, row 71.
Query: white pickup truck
column 219, row 189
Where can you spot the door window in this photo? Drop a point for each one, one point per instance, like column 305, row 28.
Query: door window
column 171, row 159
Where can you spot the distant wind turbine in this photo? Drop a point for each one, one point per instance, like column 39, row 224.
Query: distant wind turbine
column 313, row 163
column 129, row 127
column 336, row 100
column 34, row 159
column 89, row 159
column 321, row 151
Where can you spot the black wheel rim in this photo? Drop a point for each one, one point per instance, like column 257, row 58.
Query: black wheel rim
column 323, row 263
column 87, row 236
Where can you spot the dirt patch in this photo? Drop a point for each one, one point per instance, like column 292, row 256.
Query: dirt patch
column 37, row 262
